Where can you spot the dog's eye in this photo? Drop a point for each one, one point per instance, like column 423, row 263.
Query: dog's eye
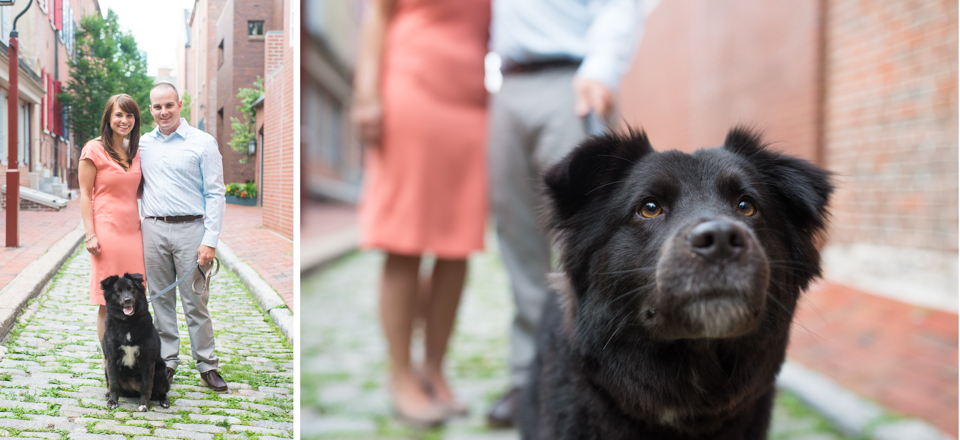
column 746, row 208
column 650, row 209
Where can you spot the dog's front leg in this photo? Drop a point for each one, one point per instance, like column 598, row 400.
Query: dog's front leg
column 146, row 385
column 113, row 383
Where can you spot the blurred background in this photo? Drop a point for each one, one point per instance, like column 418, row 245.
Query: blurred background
column 864, row 88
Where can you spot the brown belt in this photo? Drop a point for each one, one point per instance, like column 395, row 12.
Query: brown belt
column 178, row 218
column 536, row 66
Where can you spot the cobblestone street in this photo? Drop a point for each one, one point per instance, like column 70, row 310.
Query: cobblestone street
column 343, row 367
column 52, row 383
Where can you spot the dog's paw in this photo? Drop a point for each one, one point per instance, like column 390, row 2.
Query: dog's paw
column 142, row 408
column 165, row 403
column 112, row 404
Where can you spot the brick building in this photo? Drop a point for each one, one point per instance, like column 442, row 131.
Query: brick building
column 276, row 136
column 331, row 159
column 47, row 154
column 221, row 51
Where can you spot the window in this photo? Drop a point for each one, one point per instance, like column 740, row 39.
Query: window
column 255, row 28
column 220, row 54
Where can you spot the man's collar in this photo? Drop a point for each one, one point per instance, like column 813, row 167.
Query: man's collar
column 181, row 130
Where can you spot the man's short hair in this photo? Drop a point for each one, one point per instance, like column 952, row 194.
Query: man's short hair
column 166, row 85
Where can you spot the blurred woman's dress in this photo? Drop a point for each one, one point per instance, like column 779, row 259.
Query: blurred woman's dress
column 425, row 187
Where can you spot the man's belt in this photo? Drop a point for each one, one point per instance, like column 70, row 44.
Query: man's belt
column 178, row 218
column 511, row 68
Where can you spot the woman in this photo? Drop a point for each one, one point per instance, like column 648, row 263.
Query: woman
column 419, row 107
column 109, row 179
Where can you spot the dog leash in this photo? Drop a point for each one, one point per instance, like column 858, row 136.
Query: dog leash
column 204, row 276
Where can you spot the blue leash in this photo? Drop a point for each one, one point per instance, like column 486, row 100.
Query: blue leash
column 205, row 276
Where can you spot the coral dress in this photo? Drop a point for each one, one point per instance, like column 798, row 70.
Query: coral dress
column 116, row 218
column 425, row 188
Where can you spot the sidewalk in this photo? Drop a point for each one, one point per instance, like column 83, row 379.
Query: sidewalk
column 52, row 383
column 327, row 229
column 901, row 356
column 38, row 231
column 267, row 252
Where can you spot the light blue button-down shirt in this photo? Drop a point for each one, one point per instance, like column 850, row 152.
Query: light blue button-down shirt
column 602, row 33
column 183, row 175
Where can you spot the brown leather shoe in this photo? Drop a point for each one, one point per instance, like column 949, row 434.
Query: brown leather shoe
column 214, row 381
column 170, row 372
column 503, row 412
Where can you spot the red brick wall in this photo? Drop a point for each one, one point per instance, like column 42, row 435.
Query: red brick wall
column 706, row 65
column 278, row 150
column 891, row 122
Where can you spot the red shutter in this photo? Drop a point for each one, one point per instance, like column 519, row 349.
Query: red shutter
column 58, row 14
column 43, row 100
column 50, row 103
column 58, row 110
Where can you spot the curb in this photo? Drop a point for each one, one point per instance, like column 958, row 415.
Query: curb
column 850, row 413
column 268, row 298
column 31, row 281
column 318, row 252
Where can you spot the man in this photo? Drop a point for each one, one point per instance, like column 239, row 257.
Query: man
column 562, row 60
column 183, row 205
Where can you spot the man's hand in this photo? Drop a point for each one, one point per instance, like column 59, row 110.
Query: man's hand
column 205, row 254
column 591, row 95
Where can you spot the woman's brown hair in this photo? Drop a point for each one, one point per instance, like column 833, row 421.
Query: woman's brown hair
column 127, row 104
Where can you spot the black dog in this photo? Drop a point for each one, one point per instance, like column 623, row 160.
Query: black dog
column 681, row 275
column 131, row 344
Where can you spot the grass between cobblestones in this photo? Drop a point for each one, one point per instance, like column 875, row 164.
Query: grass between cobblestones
column 52, row 384
column 343, row 366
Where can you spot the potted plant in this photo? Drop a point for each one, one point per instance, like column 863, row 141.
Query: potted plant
column 244, row 194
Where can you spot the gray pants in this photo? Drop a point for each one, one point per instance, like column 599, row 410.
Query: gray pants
column 532, row 126
column 170, row 251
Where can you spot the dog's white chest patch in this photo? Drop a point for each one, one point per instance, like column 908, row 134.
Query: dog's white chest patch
column 128, row 336
column 668, row 417
column 129, row 355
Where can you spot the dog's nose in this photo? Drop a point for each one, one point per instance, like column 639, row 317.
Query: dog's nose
column 717, row 239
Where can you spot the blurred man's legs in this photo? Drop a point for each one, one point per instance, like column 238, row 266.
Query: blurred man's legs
column 532, row 126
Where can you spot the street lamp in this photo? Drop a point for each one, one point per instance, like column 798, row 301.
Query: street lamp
column 13, row 170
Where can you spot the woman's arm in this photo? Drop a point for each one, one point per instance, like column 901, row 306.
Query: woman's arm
column 88, row 173
column 367, row 114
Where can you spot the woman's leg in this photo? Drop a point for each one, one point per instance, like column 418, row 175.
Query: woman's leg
column 398, row 308
column 446, row 287
column 101, row 322
column 101, row 327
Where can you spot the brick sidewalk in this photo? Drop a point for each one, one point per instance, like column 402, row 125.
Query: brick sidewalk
column 38, row 231
column 901, row 356
column 267, row 252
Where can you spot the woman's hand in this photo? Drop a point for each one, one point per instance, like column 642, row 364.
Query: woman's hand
column 366, row 116
column 93, row 245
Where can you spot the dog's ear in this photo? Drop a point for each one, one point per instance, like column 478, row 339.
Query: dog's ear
column 108, row 282
column 802, row 188
column 136, row 278
column 801, row 191
column 592, row 170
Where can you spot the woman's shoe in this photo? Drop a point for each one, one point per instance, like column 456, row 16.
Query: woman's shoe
column 451, row 408
column 433, row 417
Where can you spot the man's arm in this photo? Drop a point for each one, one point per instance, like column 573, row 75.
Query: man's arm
column 612, row 40
column 211, row 166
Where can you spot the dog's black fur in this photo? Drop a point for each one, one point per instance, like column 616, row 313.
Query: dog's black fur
column 131, row 344
column 672, row 325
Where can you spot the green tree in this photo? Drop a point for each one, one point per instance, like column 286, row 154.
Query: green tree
column 243, row 127
column 185, row 111
column 107, row 62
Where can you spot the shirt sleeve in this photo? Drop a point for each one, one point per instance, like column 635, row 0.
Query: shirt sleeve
column 612, row 40
column 215, row 204
column 89, row 153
